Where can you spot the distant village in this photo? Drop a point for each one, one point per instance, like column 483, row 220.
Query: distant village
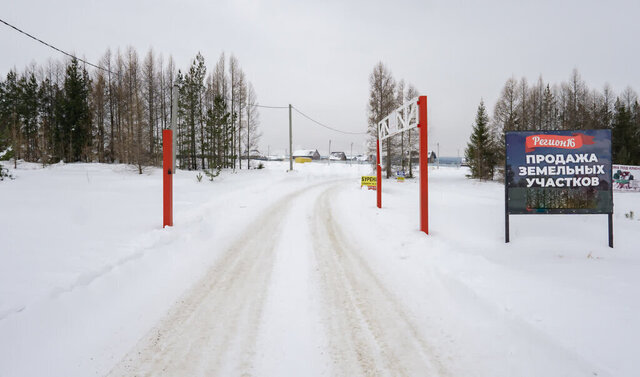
column 310, row 155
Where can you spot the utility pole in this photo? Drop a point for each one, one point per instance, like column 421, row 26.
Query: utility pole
column 438, row 156
column 290, row 142
column 351, row 154
column 329, row 157
column 248, row 144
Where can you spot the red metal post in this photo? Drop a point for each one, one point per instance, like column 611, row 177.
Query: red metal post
column 424, row 167
column 167, row 177
column 379, row 175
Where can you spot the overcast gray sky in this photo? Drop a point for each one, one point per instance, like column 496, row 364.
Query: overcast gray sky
column 318, row 55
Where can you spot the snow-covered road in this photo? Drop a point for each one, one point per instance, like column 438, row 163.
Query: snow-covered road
column 370, row 333
column 213, row 328
column 229, row 322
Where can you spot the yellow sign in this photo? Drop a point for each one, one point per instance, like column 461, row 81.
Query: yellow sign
column 370, row 181
column 400, row 179
column 302, row 160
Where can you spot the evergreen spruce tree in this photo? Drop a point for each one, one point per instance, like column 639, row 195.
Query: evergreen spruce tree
column 217, row 118
column 76, row 120
column 47, row 93
column 10, row 115
column 191, row 92
column 548, row 107
column 28, row 109
column 480, row 152
column 635, row 134
column 4, row 124
column 623, row 138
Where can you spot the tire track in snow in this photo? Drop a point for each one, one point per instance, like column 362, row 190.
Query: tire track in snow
column 213, row 329
column 369, row 332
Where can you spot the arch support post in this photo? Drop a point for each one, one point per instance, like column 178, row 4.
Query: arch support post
column 424, row 164
column 167, row 178
column 378, row 174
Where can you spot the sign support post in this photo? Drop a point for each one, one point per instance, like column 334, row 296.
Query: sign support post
column 506, row 217
column 506, row 198
column 290, row 142
column 611, row 230
column 167, row 177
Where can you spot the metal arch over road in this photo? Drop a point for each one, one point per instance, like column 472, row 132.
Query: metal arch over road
column 412, row 114
column 401, row 119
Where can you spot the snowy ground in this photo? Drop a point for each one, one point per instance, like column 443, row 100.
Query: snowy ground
column 270, row 273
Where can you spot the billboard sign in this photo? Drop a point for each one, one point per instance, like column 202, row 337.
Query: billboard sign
column 556, row 172
column 626, row 178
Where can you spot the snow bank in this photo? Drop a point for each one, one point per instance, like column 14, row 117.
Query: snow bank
column 86, row 269
column 555, row 301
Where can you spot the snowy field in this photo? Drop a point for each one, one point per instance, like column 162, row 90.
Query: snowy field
column 269, row 273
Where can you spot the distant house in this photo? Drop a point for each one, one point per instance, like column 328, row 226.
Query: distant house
column 254, row 154
column 415, row 157
column 309, row 153
column 338, row 156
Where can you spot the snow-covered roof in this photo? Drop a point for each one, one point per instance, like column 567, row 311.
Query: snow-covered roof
column 304, row 152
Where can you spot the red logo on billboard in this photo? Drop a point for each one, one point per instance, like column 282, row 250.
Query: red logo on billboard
column 556, row 141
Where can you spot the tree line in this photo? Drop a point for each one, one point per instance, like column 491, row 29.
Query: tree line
column 63, row 111
column 570, row 105
column 385, row 95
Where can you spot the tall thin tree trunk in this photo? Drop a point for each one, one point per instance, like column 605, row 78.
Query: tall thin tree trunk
column 239, row 138
column 248, row 132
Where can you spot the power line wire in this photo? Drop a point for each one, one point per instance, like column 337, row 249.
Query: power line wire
column 270, row 107
column 256, row 105
column 328, row 127
column 309, row 118
column 55, row 48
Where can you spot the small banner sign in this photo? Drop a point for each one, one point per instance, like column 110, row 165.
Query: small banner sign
column 369, row 181
column 559, row 172
column 400, row 176
column 626, row 178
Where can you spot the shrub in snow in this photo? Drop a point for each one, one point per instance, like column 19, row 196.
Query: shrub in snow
column 211, row 175
column 4, row 173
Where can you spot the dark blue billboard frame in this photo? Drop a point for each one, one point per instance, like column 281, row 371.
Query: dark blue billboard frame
column 565, row 133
